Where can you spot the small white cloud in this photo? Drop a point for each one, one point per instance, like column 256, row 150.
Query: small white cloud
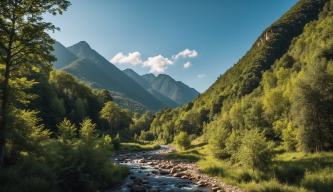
column 186, row 54
column 133, row 58
column 187, row 65
column 200, row 76
column 157, row 64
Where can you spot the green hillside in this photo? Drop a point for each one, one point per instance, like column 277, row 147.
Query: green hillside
column 266, row 124
column 243, row 78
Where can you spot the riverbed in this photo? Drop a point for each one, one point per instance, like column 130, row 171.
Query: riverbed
column 148, row 175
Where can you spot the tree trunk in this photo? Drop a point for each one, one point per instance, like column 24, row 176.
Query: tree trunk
column 4, row 112
column 3, row 118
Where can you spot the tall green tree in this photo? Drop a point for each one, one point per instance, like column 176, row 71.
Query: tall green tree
column 312, row 107
column 24, row 45
column 116, row 118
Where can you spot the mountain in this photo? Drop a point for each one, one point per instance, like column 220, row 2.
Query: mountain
column 175, row 90
column 245, row 76
column 63, row 56
column 262, row 90
column 149, row 77
column 95, row 70
column 164, row 86
column 136, row 77
column 145, row 84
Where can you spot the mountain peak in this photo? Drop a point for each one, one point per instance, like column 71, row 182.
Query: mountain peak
column 129, row 70
column 82, row 44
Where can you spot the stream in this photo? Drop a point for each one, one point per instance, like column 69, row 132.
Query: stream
column 145, row 177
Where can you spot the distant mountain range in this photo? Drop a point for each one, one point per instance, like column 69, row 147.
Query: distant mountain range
column 150, row 91
column 176, row 91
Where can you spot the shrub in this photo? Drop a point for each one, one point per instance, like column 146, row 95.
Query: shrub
column 255, row 152
column 146, row 136
column 289, row 174
column 83, row 164
column 232, row 144
column 182, row 140
column 320, row 181
column 272, row 186
column 289, row 138
column 217, row 142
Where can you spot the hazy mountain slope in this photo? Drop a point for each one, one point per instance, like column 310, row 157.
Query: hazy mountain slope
column 164, row 85
column 97, row 71
column 175, row 90
column 63, row 55
column 149, row 77
column 136, row 77
column 140, row 80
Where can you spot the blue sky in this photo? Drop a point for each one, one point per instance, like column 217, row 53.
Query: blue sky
column 215, row 34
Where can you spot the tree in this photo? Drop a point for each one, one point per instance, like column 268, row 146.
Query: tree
column 67, row 130
column 25, row 45
column 255, row 152
column 116, row 118
column 217, row 140
column 312, row 108
column 182, row 140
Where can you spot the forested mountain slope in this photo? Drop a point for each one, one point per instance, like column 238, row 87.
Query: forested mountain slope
column 238, row 100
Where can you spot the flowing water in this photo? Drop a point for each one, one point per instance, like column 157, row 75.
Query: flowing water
column 144, row 177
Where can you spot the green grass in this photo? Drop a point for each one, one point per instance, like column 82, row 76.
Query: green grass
column 294, row 172
column 132, row 147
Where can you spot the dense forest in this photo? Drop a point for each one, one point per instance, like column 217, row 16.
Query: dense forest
column 58, row 134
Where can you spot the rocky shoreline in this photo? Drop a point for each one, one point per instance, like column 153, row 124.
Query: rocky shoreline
column 138, row 181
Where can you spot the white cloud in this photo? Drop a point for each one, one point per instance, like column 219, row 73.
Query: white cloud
column 187, row 65
column 186, row 53
column 157, row 64
column 200, row 76
column 133, row 58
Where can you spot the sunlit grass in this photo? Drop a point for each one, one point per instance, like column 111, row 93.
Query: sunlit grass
column 130, row 147
column 299, row 172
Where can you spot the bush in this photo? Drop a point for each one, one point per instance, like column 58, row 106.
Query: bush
column 320, row 181
column 289, row 138
column 289, row 174
column 146, row 136
column 255, row 152
column 272, row 186
column 182, row 140
column 83, row 164
column 232, row 144
column 217, row 143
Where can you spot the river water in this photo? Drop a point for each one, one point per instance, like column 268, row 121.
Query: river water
column 144, row 177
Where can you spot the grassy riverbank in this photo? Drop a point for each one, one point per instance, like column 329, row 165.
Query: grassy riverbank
column 289, row 171
column 133, row 147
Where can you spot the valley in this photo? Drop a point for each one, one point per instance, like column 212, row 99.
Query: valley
column 72, row 120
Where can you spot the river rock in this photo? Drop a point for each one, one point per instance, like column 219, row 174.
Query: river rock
column 137, row 188
column 202, row 183
column 164, row 172
column 173, row 170
column 141, row 161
